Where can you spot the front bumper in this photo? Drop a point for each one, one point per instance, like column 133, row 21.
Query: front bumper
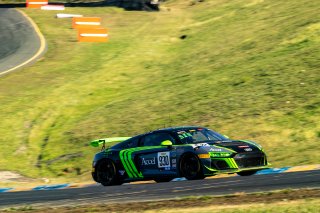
column 235, row 163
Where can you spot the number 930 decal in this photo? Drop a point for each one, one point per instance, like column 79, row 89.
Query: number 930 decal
column 163, row 159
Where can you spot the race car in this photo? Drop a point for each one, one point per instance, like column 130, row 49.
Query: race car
column 164, row 154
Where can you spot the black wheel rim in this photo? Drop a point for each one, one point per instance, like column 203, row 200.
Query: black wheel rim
column 105, row 172
column 190, row 167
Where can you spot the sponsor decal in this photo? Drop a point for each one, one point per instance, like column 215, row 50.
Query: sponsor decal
column 173, row 154
column 174, row 163
column 244, row 146
column 248, row 149
column 202, row 144
column 199, row 145
column 219, row 154
column 183, row 135
column 121, row 172
column 163, row 159
column 149, row 161
column 126, row 157
column 215, row 150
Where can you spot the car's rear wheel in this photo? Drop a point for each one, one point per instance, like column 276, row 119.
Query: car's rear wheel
column 190, row 167
column 247, row 173
column 106, row 172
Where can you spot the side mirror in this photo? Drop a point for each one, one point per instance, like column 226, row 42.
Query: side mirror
column 166, row 143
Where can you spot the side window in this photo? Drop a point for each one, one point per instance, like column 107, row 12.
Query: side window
column 156, row 139
column 132, row 143
column 199, row 136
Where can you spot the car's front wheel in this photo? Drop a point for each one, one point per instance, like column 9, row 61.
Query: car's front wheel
column 106, row 173
column 190, row 167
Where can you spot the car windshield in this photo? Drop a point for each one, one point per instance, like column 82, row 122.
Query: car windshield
column 198, row 135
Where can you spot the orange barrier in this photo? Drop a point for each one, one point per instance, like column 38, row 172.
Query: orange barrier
column 86, row 22
column 93, row 35
column 36, row 3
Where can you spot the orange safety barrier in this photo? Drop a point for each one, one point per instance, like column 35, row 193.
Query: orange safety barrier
column 93, row 35
column 36, row 3
column 86, row 22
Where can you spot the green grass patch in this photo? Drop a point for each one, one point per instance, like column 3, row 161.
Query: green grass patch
column 248, row 69
column 308, row 205
column 302, row 200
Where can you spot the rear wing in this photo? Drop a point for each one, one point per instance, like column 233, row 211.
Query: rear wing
column 103, row 141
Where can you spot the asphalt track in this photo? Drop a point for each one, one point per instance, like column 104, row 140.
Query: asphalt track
column 159, row 191
column 19, row 41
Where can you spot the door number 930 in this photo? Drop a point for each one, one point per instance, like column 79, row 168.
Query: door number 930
column 163, row 159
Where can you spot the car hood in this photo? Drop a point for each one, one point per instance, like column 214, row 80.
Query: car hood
column 234, row 145
column 238, row 146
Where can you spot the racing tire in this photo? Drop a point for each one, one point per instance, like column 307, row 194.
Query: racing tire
column 162, row 180
column 190, row 167
column 247, row 173
column 107, row 173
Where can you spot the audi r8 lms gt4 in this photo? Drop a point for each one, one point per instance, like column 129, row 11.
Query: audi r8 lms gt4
column 165, row 154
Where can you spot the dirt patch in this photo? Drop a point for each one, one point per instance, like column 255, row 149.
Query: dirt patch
column 6, row 176
column 235, row 199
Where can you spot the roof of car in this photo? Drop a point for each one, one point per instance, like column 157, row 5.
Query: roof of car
column 179, row 128
column 169, row 129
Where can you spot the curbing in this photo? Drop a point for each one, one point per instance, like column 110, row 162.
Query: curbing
column 304, row 168
column 5, row 189
column 82, row 185
column 272, row 171
column 51, row 187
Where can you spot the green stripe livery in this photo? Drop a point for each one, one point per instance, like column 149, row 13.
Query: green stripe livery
column 230, row 161
column 128, row 162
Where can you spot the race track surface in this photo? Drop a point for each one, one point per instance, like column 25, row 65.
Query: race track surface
column 18, row 40
column 152, row 191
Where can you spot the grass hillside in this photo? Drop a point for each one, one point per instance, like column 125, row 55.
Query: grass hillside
column 246, row 68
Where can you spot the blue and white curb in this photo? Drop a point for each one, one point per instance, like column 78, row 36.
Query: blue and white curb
column 5, row 189
column 273, row 171
column 51, row 187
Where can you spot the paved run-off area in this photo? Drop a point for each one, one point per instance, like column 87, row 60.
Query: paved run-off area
column 21, row 42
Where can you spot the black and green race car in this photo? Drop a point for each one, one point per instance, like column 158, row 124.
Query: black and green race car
column 165, row 154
